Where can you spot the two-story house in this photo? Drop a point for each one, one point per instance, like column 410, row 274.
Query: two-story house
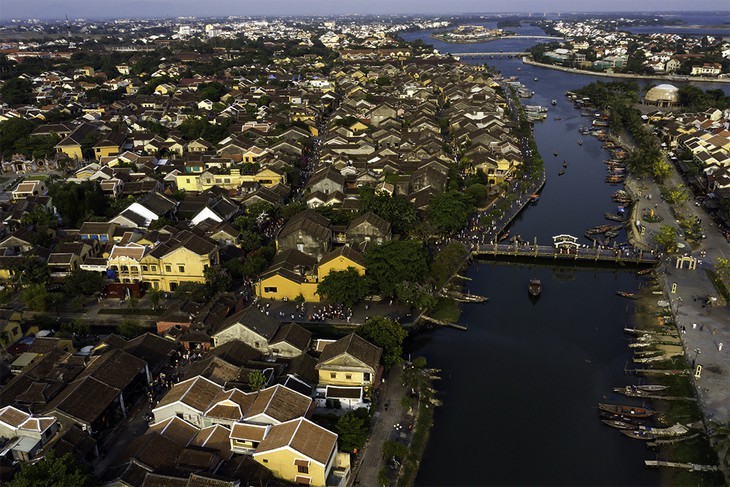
column 347, row 368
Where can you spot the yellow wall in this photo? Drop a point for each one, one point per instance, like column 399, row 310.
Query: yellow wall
column 195, row 182
column 286, row 289
column 72, row 151
column 338, row 264
column 106, row 151
column 281, row 464
column 166, row 272
column 340, row 379
column 188, row 182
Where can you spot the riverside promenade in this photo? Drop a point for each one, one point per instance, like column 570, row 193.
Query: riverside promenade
column 704, row 328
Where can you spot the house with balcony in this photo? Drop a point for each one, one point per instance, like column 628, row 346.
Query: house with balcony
column 347, row 368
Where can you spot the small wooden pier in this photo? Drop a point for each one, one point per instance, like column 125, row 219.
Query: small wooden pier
column 445, row 323
column 693, row 467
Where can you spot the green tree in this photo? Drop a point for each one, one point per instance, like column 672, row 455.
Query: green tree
column 35, row 297
column 394, row 262
column 52, row 471
column 449, row 211
column 394, row 449
column 77, row 202
column 722, row 268
column 17, row 91
column 211, row 91
column 478, row 193
column 347, row 287
column 352, row 431
column 386, row 334
column 129, row 328
column 397, row 210
column 193, row 291
column 12, row 131
column 84, row 282
column 447, row 262
column 154, row 295
column 256, row 380
column 666, row 238
column 415, row 294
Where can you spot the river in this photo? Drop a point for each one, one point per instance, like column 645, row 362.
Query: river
column 520, row 388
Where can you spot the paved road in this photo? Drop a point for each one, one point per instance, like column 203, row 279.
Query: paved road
column 705, row 328
column 371, row 460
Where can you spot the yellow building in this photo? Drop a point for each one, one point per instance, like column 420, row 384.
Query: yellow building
column 348, row 369
column 71, row 144
column 182, row 258
column 292, row 273
column 10, row 329
column 302, row 452
column 108, row 146
column 231, row 179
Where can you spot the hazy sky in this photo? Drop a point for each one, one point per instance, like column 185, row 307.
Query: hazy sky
column 173, row 8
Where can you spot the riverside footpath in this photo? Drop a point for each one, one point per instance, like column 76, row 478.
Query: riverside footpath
column 704, row 326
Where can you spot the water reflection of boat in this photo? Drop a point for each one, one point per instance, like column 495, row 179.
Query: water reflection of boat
column 535, row 287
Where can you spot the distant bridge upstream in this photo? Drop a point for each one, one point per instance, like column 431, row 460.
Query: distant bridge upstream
column 487, row 54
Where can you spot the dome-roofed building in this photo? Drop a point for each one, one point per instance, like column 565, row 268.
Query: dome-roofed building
column 664, row 95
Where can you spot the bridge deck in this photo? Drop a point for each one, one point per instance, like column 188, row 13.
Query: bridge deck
column 549, row 252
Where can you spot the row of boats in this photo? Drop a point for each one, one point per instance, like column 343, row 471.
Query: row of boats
column 632, row 420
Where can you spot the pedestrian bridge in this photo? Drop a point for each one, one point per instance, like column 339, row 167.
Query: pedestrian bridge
column 487, row 54
column 547, row 253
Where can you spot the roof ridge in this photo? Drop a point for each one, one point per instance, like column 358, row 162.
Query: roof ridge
column 291, row 438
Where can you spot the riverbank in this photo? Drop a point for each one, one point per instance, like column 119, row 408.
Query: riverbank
column 703, row 328
column 683, row 79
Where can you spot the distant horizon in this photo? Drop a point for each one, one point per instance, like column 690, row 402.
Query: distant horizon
column 167, row 9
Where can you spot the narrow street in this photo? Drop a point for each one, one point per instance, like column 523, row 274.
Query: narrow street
column 371, row 460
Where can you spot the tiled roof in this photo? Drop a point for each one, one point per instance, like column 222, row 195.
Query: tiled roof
column 355, row 346
column 303, row 436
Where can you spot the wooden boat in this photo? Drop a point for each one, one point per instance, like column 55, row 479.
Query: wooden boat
column 560, row 173
column 640, row 434
column 535, row 287
column 615, row 218
column 644, row 272
column 554, row 102
column 617, row 423
column 598, row 229
column 628, row 411
column 630, row 391
column 625, row 294
column 580, row 142
column 652, row 387
column 557, row 118
column 565, row 163
column 534, row 198
column 504, row 236
column 636, row 422
column 555, row 154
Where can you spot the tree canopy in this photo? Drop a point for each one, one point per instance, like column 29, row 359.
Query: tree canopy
column 77, row 202
column 394, row 262
column 52, row 471
column 447, row 262
column 449, row 211
column 347, row 287
column 352, row 430
column 395, row 209
column 386, row 334
column 666, row 238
